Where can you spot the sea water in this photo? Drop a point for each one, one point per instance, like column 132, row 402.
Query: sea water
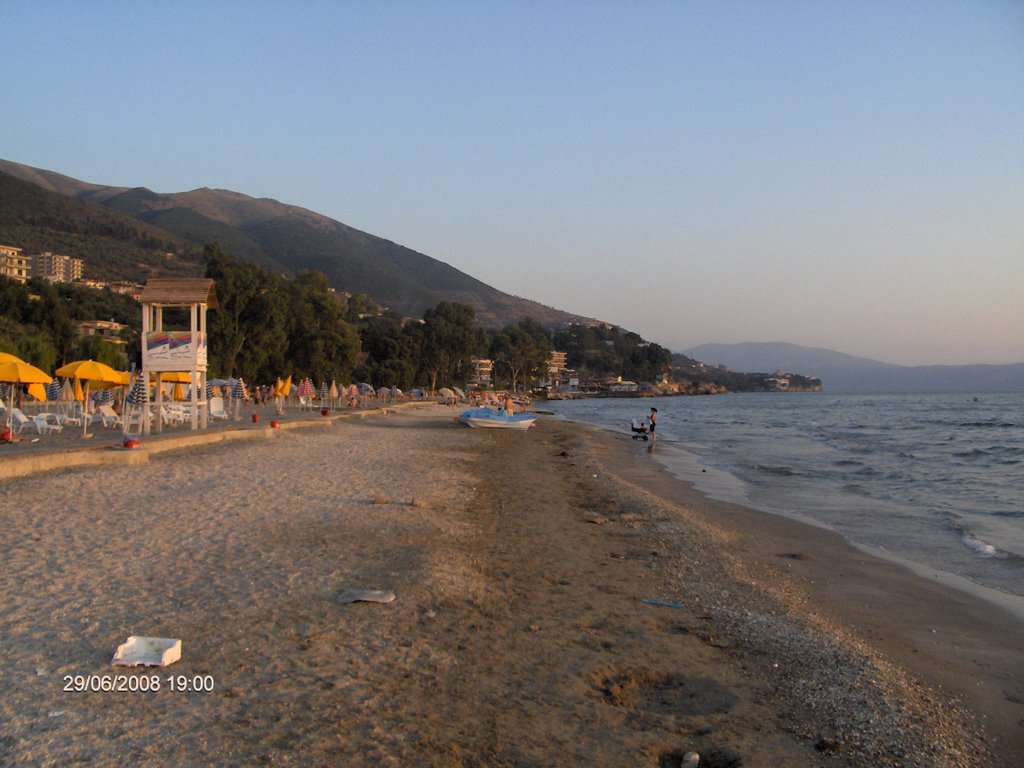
column 932, row 480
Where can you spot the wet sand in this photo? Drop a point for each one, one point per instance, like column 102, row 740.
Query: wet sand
column 560, row 600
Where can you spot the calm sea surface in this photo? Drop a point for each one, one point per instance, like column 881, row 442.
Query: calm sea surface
column 936, row 480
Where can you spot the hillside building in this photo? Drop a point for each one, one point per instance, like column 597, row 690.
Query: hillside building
column 13, row 264
column 108, row 330
column 56, row 268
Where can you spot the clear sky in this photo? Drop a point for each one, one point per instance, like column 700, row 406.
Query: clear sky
column 839, row 174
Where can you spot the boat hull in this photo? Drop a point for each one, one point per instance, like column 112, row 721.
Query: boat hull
column 484, row 418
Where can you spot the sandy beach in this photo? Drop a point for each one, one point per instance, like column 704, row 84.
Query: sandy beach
column 560, row 601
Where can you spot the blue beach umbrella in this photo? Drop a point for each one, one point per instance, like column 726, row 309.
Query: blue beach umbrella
column 139, row 393
column 238, row 394
column 209, row 391
column 53, row 389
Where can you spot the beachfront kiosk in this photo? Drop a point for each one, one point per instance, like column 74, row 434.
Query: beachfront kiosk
column 173, row 353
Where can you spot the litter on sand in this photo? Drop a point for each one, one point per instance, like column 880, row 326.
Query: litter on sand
column 147, row 652
column 365, row 596
column 662, row 602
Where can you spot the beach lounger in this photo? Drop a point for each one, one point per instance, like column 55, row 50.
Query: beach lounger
column 19, row 420
column 172, row 416
column 217, row 408
column 107, row 416
column 47, row 423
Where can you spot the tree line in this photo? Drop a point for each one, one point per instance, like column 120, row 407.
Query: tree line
column 266, row 325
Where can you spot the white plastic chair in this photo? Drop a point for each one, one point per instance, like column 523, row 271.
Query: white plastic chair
column 47, row 423
column 106, row 415
column 19, row 420
column 217, row 408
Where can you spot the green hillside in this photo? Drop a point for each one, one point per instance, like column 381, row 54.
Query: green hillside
column 127, row 235
column 113, row 245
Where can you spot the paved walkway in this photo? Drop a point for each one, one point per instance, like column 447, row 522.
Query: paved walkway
column 31, row 453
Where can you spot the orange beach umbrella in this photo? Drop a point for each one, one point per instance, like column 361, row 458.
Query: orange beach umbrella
column 19, row 372
column 93, row 372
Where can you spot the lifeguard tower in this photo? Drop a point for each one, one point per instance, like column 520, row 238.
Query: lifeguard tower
column 176, row 350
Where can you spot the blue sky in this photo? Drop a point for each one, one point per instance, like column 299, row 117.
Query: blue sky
column 839, row 174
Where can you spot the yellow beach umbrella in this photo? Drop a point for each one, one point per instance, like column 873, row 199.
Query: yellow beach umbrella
column 173, row 377
column 19, row 372
column 6, row 357
column 91, row 371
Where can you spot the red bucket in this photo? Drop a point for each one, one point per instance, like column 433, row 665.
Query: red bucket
column 255, row 418
column 275, row 424
column 131, row 442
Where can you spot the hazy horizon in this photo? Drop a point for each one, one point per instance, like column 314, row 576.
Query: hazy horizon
column 841, row 176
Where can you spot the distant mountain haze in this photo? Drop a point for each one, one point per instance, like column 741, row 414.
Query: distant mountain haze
column 841, row 373
column 289, row 239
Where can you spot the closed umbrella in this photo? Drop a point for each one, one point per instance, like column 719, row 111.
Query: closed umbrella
column 67, row 392
column 333, row 393
column 139, row 393
column 239, row 394
column 138, row 396
column 52, row 391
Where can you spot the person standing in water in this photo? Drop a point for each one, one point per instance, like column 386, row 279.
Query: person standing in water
column 654, row 421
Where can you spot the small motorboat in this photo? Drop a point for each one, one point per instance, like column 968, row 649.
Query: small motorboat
column 488, row 418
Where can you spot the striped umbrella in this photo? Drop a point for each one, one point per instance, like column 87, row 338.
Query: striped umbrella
column 209, row 391
column 139, row 393
column 238, row 394
column 53, row 389
column 306, row 388
column 325, row 391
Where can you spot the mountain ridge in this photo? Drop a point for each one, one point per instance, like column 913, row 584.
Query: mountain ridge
column 841, row 373
column 290, row 239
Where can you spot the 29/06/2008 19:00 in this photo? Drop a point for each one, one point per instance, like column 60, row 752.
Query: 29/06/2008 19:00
column 138, row 683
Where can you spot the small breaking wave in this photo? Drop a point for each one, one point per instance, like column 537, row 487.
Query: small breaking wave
column 982, row 548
